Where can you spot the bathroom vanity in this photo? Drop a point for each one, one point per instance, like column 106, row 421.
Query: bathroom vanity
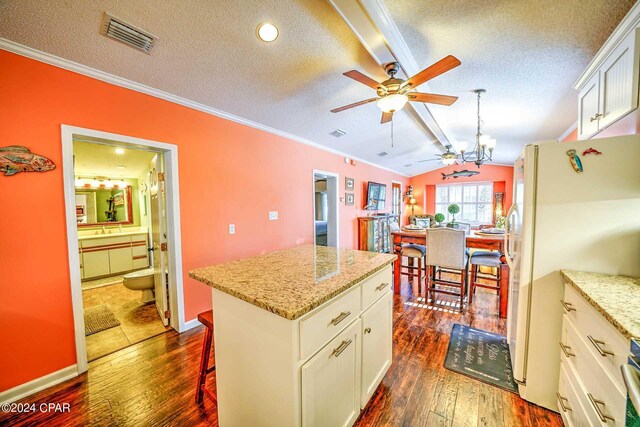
column 302, row 336
column 108, row 254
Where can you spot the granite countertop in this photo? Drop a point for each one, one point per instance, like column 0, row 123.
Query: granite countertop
column 617, row 298
column 292, row 282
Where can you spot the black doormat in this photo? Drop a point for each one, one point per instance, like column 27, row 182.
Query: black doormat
column 480, row 355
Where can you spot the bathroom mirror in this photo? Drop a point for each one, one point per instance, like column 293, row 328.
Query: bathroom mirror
column 103, row 206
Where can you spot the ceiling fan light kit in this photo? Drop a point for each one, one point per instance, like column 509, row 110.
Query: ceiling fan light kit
column 392, row 103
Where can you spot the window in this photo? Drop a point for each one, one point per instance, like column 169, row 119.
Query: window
column 475, row 200
column 396, row 198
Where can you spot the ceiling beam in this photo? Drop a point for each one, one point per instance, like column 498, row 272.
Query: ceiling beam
column 371, row 23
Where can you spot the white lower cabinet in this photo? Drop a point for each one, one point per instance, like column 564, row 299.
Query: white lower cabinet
column 317, row 370
column 377, row 323
column 331, row 382
column 591, row 390
column 104, row 256
column 95, row 263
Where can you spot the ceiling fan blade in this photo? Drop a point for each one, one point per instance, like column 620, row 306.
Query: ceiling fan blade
column 365, row 80
column 386, row 117
column 432, row 98
column 355, row 104
column 429, row 160
column 445, row 64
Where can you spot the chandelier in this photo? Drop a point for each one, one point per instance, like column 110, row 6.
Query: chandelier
column 483, row 150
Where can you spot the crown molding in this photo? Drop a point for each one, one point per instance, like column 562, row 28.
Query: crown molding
column 628, row 23
column 568, row 131
column 47, row 58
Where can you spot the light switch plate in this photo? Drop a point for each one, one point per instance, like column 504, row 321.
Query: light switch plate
column 273, row 215
column 232, row 229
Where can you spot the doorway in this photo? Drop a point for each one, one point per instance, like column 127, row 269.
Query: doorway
column 123, row 235
column 325, row 208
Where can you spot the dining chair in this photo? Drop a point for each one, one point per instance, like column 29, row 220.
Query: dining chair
column 447, row 249
column 467, row 230
column 412, row 252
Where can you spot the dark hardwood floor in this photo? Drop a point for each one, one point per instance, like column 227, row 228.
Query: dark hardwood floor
column 152, row 382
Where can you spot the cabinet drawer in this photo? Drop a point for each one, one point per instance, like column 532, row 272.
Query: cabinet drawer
column 597, row 385
column 322, row 325
column 569, row 404
column 105, row 242
column 376, row 286
column 597, row 332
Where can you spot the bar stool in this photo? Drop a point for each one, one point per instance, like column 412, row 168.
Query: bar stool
column 206, row 318
column 412, row 253
column 485, row 259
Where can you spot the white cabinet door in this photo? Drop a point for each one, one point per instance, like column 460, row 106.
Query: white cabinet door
column 618, row 90
column 95, row 263
column 588, row 108
column 331, row 382
column 120, row 259
column 376, row 345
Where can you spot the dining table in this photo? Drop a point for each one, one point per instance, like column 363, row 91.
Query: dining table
column 476, row 239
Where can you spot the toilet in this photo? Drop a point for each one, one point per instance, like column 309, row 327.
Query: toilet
column 141, row 280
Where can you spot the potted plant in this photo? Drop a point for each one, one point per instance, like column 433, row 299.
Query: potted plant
column 453, row 209
column 439, row 217
column 500, row 221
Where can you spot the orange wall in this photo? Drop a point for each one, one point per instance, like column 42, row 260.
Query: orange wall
column 424, row 185
column 573, row 136
column 229, row 173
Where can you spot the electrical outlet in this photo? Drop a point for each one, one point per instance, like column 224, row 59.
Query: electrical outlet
column 232, row 229
column 273, row 215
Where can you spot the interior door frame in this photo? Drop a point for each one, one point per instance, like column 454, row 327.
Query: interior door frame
column 174, row 258
column 335, row 200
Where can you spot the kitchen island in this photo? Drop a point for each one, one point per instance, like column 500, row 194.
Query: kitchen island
column 302, row 336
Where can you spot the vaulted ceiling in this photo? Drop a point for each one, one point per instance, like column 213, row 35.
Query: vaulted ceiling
column 526, row 54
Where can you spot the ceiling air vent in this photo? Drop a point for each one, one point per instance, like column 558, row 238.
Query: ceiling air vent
column 123, row 32
column 382, row 154
column 338, row 133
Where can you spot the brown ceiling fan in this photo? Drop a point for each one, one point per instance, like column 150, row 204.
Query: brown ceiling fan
column 394, row 93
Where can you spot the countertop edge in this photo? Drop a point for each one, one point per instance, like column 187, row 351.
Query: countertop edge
column 611, row 319
column 300, row 312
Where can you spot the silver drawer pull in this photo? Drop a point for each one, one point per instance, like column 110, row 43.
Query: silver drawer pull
column 381, row 286
column 338, row 350
column 598, row 345
column 594, row 118
column 367, row 330
column 595, row 402
column 567, row 305
column 340, row 318
column 566, row 350
column 561, row 401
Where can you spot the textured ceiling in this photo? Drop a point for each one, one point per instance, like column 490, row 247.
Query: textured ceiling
column 526, row 54
column 91, row 160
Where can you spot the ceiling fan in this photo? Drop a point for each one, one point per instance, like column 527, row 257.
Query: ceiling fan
column 448, row 157
column 393, row 94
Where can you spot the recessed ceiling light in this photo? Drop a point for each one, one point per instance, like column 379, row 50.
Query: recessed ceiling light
column 267, row 32
column 119, row 150
column 121, row 167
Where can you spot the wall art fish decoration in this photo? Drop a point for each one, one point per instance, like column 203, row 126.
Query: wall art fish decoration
column 591, row 150
column 457, row 174
column 575, row 161
column 17, row 158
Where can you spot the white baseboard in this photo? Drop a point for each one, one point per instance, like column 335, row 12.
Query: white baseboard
column 34, row 386
column 190, row 325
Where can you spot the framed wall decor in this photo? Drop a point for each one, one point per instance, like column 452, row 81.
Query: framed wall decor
column 349, row 184
column 349, row 199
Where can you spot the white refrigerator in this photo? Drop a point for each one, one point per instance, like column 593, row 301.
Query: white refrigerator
column 563, row 219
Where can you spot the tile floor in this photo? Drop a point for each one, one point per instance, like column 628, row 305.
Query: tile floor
column 138, row 321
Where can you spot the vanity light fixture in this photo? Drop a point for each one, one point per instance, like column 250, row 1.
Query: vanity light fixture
column 267, row 32
column 119, row 150
column 121, row 167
